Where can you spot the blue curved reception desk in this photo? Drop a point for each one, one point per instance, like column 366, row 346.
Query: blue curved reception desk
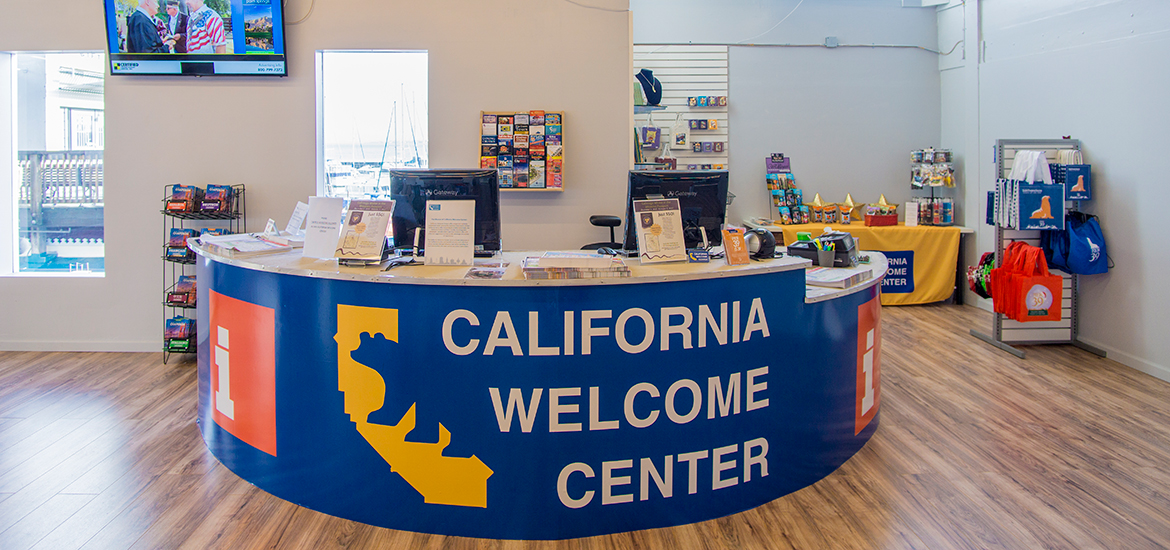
column 416, row 399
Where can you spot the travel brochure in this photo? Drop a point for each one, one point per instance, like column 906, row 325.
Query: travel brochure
column 526, row 149
column 487, row 271
column 735, row 250
column 363, row 237
column 658, row 226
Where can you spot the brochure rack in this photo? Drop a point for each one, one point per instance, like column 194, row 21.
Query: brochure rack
column 1005, row 331
column 525, row 147
column 232, row 219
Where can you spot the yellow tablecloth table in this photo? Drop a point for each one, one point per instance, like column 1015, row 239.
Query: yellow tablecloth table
column 923, row 259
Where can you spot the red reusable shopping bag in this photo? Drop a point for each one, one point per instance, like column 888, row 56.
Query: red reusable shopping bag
column 1002, row 298
column 1036, row 293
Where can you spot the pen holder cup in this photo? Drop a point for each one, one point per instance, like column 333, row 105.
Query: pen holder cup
column 825, row 258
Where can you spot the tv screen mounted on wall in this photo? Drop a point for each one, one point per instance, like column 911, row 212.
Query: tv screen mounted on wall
column 196, row 37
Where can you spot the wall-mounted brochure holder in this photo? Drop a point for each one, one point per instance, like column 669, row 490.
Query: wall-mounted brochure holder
column 526, row 149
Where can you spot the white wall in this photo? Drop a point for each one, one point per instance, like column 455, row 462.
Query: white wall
column 848, row 117
column 1095, row 70
column 260, row 132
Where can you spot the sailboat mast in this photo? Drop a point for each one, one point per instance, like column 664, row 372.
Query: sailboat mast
column 389, row 125
column 413, row 140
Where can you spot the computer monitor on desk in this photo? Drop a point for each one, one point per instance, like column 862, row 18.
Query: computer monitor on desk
column 702, row 199
column 411, row 189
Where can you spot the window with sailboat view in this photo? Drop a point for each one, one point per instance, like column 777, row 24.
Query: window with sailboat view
column 373, row 118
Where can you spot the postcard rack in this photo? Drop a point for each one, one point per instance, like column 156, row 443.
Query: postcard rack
column 1006, row 332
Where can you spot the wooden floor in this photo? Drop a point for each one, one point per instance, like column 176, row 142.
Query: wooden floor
column 976, row 449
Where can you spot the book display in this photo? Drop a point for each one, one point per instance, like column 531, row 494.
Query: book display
column 527, row 149
column 189, row 211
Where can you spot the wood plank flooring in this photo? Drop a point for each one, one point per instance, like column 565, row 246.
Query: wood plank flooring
column 976, row 449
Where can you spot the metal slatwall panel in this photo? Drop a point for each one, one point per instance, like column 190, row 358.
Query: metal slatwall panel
column 1012, row 331
column 686, row 71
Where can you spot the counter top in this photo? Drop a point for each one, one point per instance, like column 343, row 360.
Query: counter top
column 294, row 264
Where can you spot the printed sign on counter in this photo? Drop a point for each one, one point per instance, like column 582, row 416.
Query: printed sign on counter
column 323, row 226
column 449, row 233
column 658, row 225
column 297, row 219
column 364, row 234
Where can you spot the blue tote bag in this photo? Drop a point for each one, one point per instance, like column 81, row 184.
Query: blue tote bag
column 1085, row 245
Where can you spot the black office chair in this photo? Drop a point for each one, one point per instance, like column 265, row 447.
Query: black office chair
column 605, row 221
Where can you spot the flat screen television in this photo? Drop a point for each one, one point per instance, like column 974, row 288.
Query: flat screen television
column 196, row 37
column 411, row 189
column 702, row 199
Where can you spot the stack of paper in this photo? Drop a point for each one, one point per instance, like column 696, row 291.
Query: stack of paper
column 837, row 277
column 575, row 259
column 534, row 268
column 242, row 245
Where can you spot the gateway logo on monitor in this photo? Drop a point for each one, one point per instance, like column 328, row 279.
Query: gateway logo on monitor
column 243, row 370
column 675, row 194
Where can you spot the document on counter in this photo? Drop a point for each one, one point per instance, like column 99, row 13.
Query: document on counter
column 450, row 233
column 322, row 226
column 297, row 219
column 364, row 234
column 658, row 225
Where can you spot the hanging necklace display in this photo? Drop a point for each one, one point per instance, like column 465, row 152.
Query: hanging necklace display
column 650, row 86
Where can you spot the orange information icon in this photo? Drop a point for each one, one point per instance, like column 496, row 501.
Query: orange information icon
column 243, row 370
column 869, row 353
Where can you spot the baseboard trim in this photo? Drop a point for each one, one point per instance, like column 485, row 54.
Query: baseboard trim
column 105, row 345
column 1161, row 372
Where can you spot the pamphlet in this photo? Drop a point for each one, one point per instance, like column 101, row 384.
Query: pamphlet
column 487, row 270
column 322, row 226
column 911, row 214
column 658, row 225
column 364, row 234
column 297, row 219
column 735, row 249
column 242, row 246
column 449, row 239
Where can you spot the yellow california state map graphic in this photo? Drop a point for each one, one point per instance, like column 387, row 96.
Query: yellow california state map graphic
column 439, row 479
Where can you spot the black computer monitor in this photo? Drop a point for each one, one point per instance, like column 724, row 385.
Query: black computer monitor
column 411, row 189
column 702, row 198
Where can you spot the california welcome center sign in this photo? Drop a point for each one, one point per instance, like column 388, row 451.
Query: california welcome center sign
column 533, row 412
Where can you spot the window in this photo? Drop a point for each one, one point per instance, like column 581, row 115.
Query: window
column 51, row 204
column 372, row 117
